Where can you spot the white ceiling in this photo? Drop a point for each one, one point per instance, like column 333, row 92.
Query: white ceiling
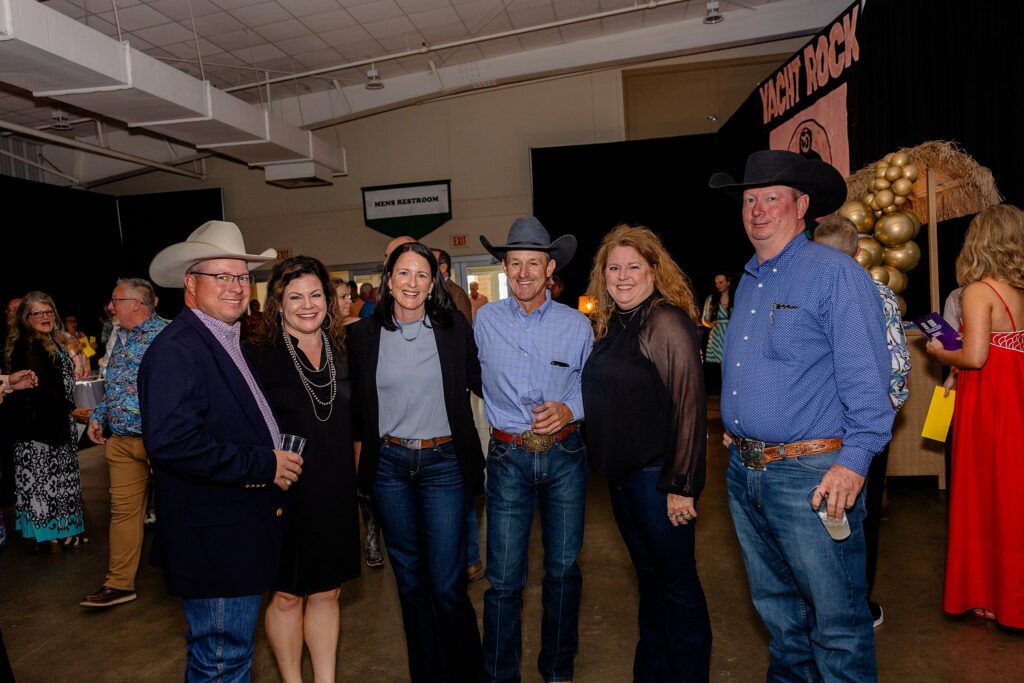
column 238, row 44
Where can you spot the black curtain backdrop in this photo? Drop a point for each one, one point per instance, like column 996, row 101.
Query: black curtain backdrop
column 927, row 71
column 586, row 190
column 72, row 245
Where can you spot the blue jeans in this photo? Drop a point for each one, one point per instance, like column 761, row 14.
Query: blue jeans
column 219, row 638
column 472, row 535
column 675, row 630
column 810, row 591
column 420, row 499
column 517, row 481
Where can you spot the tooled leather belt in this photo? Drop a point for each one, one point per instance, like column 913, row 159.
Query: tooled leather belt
column 757, row 454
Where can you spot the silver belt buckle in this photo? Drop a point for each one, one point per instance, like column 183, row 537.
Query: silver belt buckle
column 411, row 444
column 752, row 453
column 535, row 443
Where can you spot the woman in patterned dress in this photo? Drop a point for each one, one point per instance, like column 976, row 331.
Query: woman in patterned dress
column 47, row 478
column 717, row 308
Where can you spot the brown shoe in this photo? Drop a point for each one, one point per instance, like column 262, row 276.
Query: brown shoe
column 108, row 597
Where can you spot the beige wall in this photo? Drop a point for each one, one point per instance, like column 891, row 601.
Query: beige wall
column 481, row 141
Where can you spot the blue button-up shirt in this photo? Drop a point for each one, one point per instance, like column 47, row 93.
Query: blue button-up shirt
column 120, row 406
column 545, row 350
column 805, row 354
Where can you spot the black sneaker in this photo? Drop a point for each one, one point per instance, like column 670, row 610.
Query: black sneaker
column 877, row 616
column 108, row 597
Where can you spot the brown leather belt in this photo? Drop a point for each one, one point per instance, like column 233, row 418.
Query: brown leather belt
column 417, row 444
column 534, row 443
column 757, row 454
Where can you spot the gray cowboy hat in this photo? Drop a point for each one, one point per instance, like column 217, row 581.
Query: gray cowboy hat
column 817, row 179
column 527, row 234
column 211, row 240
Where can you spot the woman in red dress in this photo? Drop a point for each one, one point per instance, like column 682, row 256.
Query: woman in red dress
column 984, row 567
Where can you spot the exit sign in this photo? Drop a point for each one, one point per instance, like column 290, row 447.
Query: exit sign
column 459, row 241
column 283, row 254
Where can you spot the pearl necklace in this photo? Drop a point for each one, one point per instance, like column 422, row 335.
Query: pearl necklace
column 401, row 330
column 307, row 383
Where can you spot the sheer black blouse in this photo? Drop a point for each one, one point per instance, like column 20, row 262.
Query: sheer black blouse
column 643, row 396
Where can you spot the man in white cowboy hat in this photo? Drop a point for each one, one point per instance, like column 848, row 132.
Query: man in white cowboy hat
column 211, row 439
column 805, row 400
column 532, row 351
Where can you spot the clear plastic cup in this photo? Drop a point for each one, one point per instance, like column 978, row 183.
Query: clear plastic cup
column 838, row 529
column 532, row 398
column 293, row 443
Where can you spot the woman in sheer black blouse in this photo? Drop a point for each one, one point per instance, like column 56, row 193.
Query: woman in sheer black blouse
column 643, row 395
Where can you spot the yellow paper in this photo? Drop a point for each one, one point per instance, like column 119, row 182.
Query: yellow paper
column 940, row 412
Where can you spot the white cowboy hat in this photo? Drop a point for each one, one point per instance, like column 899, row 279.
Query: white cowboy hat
column 211, row 240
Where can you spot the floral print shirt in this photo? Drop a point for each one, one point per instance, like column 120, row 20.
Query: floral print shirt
column 120, row 406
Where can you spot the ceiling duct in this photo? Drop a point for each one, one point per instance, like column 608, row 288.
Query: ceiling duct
column 54, row 56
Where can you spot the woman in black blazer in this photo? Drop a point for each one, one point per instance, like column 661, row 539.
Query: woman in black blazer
column 413, row 364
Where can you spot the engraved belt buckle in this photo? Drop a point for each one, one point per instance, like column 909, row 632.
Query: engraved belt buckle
column 411, row 444
column 535, row 443
column 752, row 453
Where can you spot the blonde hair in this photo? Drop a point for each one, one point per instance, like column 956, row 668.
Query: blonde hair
column 993, row 247
column 671, row 284
column 21, row 328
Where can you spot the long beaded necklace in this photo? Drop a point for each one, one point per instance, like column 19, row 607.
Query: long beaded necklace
column 309, row 385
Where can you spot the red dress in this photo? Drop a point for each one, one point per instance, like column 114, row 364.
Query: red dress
column 985, row 552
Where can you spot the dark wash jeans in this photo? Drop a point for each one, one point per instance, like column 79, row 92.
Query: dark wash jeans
column 518, row 481
column 420, row 499
column 675, row 630
column 219, row 638
column 810, row 591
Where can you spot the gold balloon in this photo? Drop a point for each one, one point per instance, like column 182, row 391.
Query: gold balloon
column 894, row 229
column 903, row 257
column 892, row 208
column 899, row 201
column 901, row 187
column 909, row 172
column 860, row 214
column 899, row 159
column 888, row 157
column 880, row 184
column 915, row 220
column 897, row 280
column 894, row 172
column 902, row 304
column 884, row 198
column 872, row 248
column 878, row 214
column 880, row 169
column 863, row 258
column 879, row 274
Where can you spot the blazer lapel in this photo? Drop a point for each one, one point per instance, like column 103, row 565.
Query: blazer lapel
column 445, row 354
column 232, row 376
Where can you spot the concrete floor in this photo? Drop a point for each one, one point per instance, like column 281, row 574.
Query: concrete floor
column 51, row 639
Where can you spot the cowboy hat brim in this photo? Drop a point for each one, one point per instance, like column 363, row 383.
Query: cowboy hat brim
column 561, row 249
column 820, row 181
column 168, row 267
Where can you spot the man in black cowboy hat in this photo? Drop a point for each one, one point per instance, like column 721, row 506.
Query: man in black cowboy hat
column 532, row 351
column 805, row 399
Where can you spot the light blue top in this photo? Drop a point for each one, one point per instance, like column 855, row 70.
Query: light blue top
column 409, row 389
column 805, row 354
column 545, row 350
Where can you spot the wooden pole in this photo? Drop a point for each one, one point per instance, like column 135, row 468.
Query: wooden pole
column 933, row 244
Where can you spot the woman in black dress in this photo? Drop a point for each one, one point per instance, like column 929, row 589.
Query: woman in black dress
column 643, row 395
column 303, row 371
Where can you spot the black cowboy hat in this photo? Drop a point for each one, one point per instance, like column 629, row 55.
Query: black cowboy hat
column 817, row 179
column 527, row 234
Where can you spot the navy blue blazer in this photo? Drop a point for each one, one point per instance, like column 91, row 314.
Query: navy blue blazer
column 218, row 533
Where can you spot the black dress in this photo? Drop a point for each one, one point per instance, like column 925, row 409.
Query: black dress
column 321, row 530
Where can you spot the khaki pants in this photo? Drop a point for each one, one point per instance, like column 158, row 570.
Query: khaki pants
column 129, row 478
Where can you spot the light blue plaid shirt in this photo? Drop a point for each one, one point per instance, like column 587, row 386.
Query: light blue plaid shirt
column 545, row 351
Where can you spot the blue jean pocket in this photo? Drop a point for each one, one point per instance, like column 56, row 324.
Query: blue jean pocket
column 819, row 463
column 497, row 450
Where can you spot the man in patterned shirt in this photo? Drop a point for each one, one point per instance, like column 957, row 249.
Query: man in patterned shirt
column 840, row 233
column 138, row 325
column 805, row 372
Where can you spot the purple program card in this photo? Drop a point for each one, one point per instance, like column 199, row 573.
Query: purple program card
column 934, row 326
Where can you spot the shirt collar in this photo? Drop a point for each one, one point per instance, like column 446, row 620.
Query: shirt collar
column 515, row 308
column 220, row 329
column 780, row 259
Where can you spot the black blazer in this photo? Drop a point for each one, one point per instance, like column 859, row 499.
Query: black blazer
column 219, row 529
column 460, row 374
column 42, row 413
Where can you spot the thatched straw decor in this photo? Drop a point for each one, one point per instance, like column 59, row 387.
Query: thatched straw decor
column 962, row 186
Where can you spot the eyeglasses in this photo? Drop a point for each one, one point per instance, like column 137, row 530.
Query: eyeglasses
column 39, row 315
column 115, row 299
column 226, row 279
